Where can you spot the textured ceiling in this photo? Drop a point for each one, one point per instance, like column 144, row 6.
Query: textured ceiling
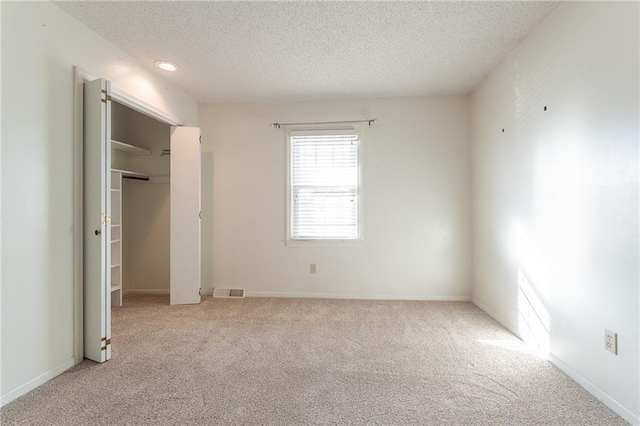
column 265, row 51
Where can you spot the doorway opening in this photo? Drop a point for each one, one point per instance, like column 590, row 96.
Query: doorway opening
column 138, row 207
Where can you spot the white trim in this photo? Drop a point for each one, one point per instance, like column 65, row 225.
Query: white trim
column 145, row 291
column 81, row 76
column 356, row 296
column 601, row 395
column 139, row 105
column 132, row 102
column 78, row 215
column 38, row 381
column 506, row 324
column 334, row 130
column 324, row 243
column 323, row 129
column 206, row 292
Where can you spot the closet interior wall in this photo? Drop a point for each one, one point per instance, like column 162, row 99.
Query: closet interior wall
column 145, row 204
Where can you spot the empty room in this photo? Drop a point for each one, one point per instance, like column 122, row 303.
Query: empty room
column 319, row 212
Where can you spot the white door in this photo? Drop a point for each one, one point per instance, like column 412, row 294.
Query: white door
column 185, row 215
column 97, row 218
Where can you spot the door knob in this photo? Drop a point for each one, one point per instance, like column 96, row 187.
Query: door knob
column 98, row 232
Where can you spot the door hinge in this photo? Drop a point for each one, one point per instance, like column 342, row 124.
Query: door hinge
column 105, row 342
column 200, row 138
column 107, row 97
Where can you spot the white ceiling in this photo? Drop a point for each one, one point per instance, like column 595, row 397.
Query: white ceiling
column 266, row 51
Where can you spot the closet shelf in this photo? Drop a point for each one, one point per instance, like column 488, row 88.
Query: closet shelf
column 129, row 149
column 116, row 241
column 130, row 174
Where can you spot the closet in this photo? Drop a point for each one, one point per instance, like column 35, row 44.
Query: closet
column 141, row 198
column 140, row 204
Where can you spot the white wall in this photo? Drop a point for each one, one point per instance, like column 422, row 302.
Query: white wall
column 148, row 252
column 40, row 46
column 416, row 201
column 555, row 197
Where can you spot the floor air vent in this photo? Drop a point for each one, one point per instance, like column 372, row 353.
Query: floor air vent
column 228, row 292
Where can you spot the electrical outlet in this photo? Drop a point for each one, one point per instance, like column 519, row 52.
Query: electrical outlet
column 313, row 268
column 611, row 341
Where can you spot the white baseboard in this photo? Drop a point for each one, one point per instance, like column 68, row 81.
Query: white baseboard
column 38, row 381
column 607, row 400
column 506, row 324
column 602, row 396
column 144, row 291
column 355, row 296
column 206, row 292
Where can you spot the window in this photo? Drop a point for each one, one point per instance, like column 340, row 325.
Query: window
column 324, row 194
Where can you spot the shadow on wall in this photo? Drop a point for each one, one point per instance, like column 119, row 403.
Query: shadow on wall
column 534, row 321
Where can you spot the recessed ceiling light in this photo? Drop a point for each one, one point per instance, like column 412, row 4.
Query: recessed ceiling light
column 167, row 66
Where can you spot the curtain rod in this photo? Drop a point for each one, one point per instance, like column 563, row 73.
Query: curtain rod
column 370, row 122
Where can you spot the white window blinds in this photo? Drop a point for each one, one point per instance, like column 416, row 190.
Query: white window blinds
column 324, row 185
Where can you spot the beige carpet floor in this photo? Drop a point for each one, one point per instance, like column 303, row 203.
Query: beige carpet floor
column 310, row 361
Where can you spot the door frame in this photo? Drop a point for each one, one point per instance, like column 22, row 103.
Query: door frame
column 80, row 76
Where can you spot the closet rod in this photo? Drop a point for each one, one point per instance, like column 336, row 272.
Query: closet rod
column 370, row 122
column 135, row 177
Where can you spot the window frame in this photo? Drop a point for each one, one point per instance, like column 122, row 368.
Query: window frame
column 312, row 242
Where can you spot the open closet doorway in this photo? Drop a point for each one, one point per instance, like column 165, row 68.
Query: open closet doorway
column 141, row 198
column 140, row 204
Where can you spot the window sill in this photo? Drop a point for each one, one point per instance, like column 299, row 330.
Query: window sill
column 324, row 243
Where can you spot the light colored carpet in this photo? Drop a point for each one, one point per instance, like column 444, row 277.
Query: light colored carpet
column 310, row 361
